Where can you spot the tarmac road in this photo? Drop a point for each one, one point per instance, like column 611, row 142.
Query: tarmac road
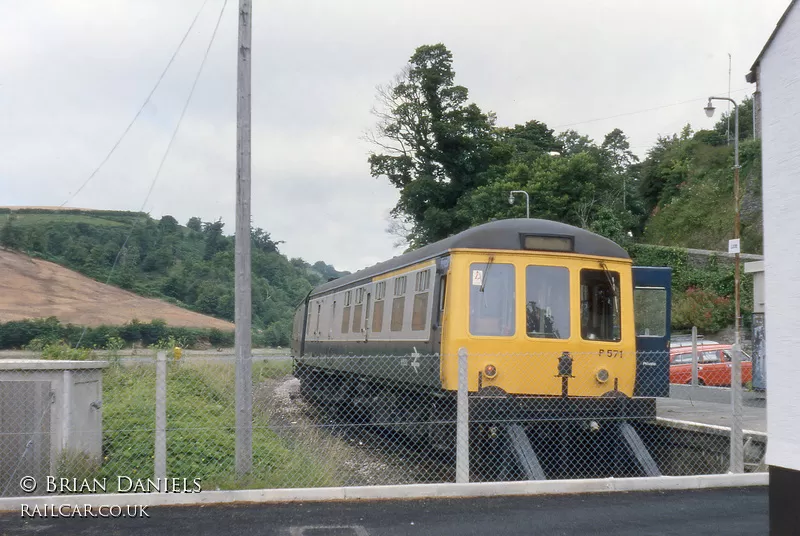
column 731, row 511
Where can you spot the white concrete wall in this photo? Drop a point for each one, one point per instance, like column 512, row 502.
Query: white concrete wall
column 780, row 101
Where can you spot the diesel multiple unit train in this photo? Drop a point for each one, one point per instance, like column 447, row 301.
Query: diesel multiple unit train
column 557, row 324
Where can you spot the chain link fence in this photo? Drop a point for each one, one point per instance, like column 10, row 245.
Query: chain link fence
column 81, row 427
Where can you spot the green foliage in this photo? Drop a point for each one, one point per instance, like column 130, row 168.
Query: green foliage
column 37, row 334
column 698, row 289
column 435, row 145
column 702, row 308
column 191, row 267
column 61, row 351
column 201, row 440
column 699, row 211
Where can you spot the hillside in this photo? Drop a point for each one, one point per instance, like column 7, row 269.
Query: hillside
column 190, row 266
column 34, row 288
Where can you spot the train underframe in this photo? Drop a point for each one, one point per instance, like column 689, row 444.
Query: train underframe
column 510, row 437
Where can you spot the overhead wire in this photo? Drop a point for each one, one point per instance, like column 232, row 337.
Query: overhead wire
column 639, row 111
column 141, row 108
column 166, row 152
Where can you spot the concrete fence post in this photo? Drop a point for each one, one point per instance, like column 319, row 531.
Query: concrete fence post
column 462, row 420
column 737, row 439
column 694, row 356
column 66, row 409
column 160, row 455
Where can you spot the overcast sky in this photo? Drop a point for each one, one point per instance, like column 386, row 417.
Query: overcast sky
column 73, row 73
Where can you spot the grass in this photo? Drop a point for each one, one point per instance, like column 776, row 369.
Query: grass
column 200, row 431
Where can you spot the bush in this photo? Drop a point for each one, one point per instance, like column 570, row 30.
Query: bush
column 702, row 308
column 38, row 333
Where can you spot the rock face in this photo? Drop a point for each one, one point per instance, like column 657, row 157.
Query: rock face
column 33, row 288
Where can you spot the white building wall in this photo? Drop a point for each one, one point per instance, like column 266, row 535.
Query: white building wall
column 780, row 101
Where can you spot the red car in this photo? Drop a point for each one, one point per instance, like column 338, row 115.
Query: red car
column 713, row 365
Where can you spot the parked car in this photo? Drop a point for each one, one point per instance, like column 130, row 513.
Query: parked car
column 682, row 342
column 714, row 363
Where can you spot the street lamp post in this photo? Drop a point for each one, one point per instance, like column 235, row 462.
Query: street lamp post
column 527, row 201
column 710, row 112
column 737, row 455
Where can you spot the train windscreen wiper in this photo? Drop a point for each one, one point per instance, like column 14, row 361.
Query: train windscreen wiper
column 613, row 286
column 486, row 273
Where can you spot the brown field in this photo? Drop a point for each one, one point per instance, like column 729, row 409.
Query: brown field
column 33, row 288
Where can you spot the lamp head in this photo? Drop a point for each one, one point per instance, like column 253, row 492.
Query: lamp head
column 709, row 109
column 510, row 199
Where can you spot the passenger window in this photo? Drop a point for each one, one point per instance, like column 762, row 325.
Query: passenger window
column 547, row 302
column 398, row 308
column 377, row 316
column 419, row 315
column 600, row 309
column 346, row 319
column 491, row 299
column 710, row 357
column 357, row 312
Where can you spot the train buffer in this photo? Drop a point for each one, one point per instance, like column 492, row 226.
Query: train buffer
column 531, row 468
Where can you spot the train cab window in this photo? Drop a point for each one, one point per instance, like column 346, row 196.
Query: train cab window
column 547, row 302
column 600, row 305
column 491, row 299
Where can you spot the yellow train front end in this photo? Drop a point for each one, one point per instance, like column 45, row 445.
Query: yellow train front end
column 539, row 323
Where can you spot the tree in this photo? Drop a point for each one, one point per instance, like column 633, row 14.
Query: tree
column 572, row 143
column 745, row 121
column 195, row 224
column 434, row 145
column 11, row 235
column 529, row 141
column 619, row 150
column 168, row 224
column 261, row 240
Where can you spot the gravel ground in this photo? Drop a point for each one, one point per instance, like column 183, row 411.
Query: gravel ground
column 363, row 455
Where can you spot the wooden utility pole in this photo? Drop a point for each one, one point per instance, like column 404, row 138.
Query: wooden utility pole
column 243, row 305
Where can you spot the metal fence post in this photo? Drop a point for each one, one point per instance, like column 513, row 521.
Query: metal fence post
column 694, row 356
column 462, row 420
column 737, row 440
column 160, row 455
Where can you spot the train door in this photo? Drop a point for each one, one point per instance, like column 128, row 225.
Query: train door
column 652, row 296
column 367, row 325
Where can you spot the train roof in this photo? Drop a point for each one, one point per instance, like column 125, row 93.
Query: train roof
column 499, row 234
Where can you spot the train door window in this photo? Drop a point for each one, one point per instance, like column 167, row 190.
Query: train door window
column 366, row 313
column 358, row 310
column 398, row 304
column 319, row 314
column 442, row 294
column 377, row 309
column 419, row 315
column 308, row 318
column 333, row 319
column 346, row 313
column 492, row 299
column 600, row 306
column 650, row 311
column 547, row 302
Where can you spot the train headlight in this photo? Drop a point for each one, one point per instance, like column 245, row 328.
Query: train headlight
column 601, row 375
column 490, row 371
